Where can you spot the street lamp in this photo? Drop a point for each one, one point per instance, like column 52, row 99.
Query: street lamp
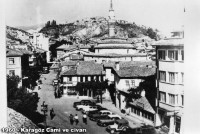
column 44, row 109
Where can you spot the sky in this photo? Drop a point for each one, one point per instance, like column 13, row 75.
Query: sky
column 165, row 15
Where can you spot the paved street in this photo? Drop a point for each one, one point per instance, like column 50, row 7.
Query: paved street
column 62, row 108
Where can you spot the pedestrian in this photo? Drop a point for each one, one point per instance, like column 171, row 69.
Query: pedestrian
column 39, row 87
column 71, row 118
column 76, row 119
column 84, row 118
column 52, row 114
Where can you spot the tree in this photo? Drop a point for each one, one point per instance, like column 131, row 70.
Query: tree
column 151, row 33
column 22, row 101
column 149, row 86
column 97, row 87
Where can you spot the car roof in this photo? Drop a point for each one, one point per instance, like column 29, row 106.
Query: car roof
column 105, row 111
column 115, row 115
column 122, row 121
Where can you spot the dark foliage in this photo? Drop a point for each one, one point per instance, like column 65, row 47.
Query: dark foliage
column 22, row 101
column 151, row 33
column 149, row 86
column 53, row 47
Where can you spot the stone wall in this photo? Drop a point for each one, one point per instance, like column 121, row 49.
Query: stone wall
column 17, row 121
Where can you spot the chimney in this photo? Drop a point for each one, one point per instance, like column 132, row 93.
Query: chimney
column 117, row 65
column 143, row 93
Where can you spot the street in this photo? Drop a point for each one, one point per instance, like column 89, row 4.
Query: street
column 63, row 107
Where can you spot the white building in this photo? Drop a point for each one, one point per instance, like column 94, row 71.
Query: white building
column 39, row 40
column 170, row 82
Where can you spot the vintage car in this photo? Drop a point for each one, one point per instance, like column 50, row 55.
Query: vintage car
column 109, row 120
column 90, row 108
column 83, row 102
column 100, row 115
column 119, row 125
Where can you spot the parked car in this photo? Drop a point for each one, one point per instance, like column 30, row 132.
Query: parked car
column 141, row 130
column 80, row 107
column 83, row 102
column 109, row 120
column 119, row 125
column 90, row 113
column 91, row 108
column 100, row 115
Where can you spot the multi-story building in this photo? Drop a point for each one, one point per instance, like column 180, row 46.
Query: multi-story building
column 39, row 40
column 170, row 82
column 84, row 71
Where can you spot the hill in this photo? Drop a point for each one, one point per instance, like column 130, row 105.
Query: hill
column 16, row 34
column 98, row 27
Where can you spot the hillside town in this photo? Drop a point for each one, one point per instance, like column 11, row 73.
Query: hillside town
column 118, row 76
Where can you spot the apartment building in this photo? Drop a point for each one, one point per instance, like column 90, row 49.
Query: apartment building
column 170, row 82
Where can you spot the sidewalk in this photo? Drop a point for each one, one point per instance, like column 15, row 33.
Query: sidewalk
column 133, row 122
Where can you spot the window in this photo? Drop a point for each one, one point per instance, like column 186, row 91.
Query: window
column 11, row 61
column 127, row 83
column 171, row 99
column 86, row 78
column 11, row 72
column 97, row 78
column 161, row 54
column 132, row 83
column 182, row 78
column 70, row 78
column 81, row 78
column 173, row 54
column 162, row 75
column 162, row 96
column 173, row 77
column 182, row 55
column 182, row 100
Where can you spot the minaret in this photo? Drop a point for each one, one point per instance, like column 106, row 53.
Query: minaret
column 111, row 20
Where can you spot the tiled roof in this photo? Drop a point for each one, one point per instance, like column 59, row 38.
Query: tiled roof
column 54, row 66
column 24, row 51
column 39, row 50
column 115, row 46
column 85, row 68
column 170, row 42
column 12, row 52
column 68, row 63
column 71, row 47
column 136, row 71
column 113, row 55
column 146, row 105
column 89, row 68
column 69, row 72
column 114, row 41
column 123, row 64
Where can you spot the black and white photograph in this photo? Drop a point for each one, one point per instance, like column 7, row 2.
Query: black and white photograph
column 95, row 66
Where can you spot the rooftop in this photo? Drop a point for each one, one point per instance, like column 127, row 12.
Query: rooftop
column 114, row 40
column 113, row 55
column 135, row 71
column 24, row 51
column 12, row 52
column 85, row 68
column 170, row 42
column 115, row 46
column 145, row 103
column 123, row 64
column 68, row 63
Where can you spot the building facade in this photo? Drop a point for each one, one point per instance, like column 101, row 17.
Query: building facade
column 170, row 82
